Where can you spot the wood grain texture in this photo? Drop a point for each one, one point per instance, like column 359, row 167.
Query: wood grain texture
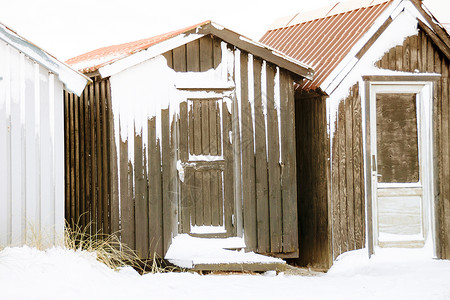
column 248, row 159
column 274, row 174
column 288, row 173
column 262, row 189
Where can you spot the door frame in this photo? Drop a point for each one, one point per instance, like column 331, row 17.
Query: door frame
column 215, row 90
column 423, row 86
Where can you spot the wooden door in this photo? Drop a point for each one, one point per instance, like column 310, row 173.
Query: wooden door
column 206, row 207
column 400, row 167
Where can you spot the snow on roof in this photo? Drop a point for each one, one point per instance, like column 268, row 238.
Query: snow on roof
column 323, row 37
column 94, row 60
column 113, row 59
column 73, row 80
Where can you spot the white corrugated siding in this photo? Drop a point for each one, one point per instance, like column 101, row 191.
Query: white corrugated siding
column 31, row 152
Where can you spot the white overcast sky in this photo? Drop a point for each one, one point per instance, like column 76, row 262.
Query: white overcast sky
column 66, row 28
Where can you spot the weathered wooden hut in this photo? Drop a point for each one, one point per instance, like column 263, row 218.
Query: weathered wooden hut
column 187, row 132
column 372, row 128
column 32, row 141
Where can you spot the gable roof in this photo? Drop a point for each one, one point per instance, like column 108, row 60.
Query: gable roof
column 72, row 80
column 326, row 37
column 323, row 37
column 113, row 59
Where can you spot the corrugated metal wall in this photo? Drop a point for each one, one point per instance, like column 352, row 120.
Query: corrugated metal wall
column 31, row 152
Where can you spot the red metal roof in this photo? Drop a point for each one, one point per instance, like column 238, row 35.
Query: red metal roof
column 322, row 38
column 94, row 60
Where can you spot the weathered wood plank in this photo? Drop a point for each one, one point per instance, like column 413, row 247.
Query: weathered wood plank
column 217, row 52
column 76, row 114
column 205, row 127
column 169, row 58
column 88, row 156
column 248, row 159
column 262, row 188
column 430, row 56
column 179, row 59
column 406, row 55
column 358, row 167
column 349, row 170
column 288, row 173
column 228, row 191
column 67, row 188
column 184, row 156
column 114, row 176
column 206, row 53
column 105, row 166
column 141, row 217
column 166, row 172
column 72, row 160
column 126, row 197
column 190, row 197
column 392, row 59
column 155, row 209
column 398, row 57
column 218, row 129
column 82, row 159
column 191, row 127
column 213, row 142
column 215, row 201
column 98, row 154
column 445, row 192
column 336, row 218
column 342, row 178
column 206, row 195
column 193, row 56
column 197, row 122
column 423, row 49
column 414, row 53
column 198, row 198
column 273, row 164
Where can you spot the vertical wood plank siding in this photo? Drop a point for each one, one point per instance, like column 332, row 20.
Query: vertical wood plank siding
column 313, row 169
column 347, row 181
column 140, row 174
column 419, row 52
column 31, row 152
column 89, row 151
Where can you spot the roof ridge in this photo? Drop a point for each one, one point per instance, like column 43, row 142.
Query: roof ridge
column 324, row 12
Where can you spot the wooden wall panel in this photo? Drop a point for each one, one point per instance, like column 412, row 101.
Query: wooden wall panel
column 347, row 185
column 143, row 166
column 425, row 57
column 312, row 181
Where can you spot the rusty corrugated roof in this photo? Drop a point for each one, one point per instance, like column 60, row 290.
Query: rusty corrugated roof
column 94, row 60
column 322, row 38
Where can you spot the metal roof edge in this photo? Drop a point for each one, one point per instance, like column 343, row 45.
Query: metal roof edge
column 346, row 65
column 73, row 80
column 260, row 50
column 209, row 27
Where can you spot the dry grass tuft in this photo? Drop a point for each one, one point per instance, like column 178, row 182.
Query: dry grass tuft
column 109, row 250
column 107, row 247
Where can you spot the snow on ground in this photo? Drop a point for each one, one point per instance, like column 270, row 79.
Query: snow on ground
column 26, row 273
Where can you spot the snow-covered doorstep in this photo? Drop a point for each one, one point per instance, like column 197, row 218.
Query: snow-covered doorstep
column 187, row 251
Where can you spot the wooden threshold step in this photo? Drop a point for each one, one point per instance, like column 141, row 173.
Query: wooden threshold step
column 213, row 254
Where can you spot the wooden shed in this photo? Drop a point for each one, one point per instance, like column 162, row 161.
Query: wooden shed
column 372, row 128
column 187, row 132
column 32, row 84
